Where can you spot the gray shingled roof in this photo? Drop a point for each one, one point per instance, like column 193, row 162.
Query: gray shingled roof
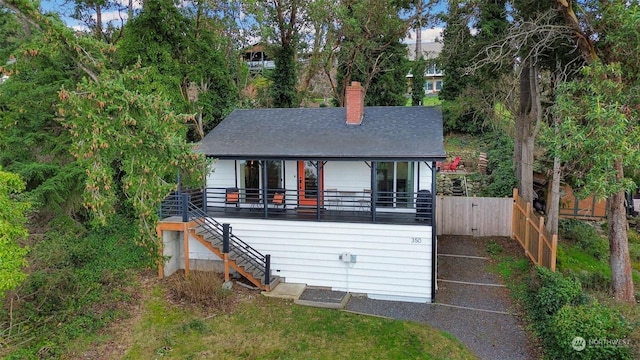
column 402, row 132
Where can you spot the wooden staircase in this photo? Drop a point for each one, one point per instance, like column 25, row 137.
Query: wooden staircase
column 218, row 238
column 241, row 261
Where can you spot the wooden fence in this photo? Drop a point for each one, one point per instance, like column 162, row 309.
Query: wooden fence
column 528, row 229
column 481, row 216
column 474, row 216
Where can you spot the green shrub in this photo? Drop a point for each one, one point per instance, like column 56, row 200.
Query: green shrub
column 458, row 117
column 594, row 280
column 585, row 236
column 603, row 329
column 493, row 248
column 550, row 291
column 634, row 236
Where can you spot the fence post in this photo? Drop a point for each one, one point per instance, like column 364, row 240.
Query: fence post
column 267, row 269
column 541, row 236
column 204, row 199
column 185, row 207
column 554, row 248
column 514, row 215
column 226, row 234
column 526, row 229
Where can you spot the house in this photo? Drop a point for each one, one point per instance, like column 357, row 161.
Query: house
column 340, row 198
column 433, row 75
column 257, row 58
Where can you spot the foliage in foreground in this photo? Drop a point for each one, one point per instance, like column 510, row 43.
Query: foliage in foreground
column 560, row 311
column 12, row 230
column 78, row 284
column 132, row 145
column 266, row 328
column 558, row 308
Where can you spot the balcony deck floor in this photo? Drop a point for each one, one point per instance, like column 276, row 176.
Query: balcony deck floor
column 311, row 214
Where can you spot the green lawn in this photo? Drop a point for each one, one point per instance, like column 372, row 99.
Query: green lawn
column 431, row 100
column 265, row 328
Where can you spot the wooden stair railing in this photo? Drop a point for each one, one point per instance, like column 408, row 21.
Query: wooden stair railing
column 218, row 238
column 243, row 258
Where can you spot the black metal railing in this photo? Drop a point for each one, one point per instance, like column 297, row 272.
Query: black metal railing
column 328, row 205
column 171, row 206
column 180, row 204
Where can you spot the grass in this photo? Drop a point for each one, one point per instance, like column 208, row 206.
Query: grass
column 431, row 100
column 456, row 143
column 266, row 328
column 514, row 270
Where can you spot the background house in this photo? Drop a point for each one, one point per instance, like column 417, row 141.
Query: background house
column 257, row 58
column 433, row 75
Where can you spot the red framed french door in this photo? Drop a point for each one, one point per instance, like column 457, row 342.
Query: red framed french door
column 310, row 182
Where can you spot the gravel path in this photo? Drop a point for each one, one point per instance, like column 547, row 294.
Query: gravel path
column 491, row 329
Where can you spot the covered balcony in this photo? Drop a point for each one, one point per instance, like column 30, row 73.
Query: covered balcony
column 333, row 205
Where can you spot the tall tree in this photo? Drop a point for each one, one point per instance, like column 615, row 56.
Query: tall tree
column 599, row 129
column 367, row 37
column 280, row 23
column 389, row 85
column 33, row 143
column 186, row 60
column 418, row 69
column 90, row 13
column 129, row 145
column 419, row 65
column 455, row 56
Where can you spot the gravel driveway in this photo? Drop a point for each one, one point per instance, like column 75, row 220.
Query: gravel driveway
column 472, row 303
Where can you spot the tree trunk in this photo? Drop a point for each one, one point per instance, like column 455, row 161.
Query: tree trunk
column 98, row 22
column 553, row 196
column 526, row 130
column 621, row 280
column 553, row 199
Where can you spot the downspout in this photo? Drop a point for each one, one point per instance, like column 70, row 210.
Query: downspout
column 374, row 190
column 434, row 237
column 263, row 163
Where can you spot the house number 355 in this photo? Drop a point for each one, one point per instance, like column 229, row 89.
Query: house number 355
column 416, row 240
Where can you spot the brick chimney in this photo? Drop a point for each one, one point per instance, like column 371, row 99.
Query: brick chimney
column 354, row 102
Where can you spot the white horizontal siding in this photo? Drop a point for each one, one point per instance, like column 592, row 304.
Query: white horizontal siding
column 389, row 263
column 347, row 175
column 222, row 175
column 425, row 177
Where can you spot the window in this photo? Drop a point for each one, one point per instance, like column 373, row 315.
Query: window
column 274, row 175
column 428, row 86
column 432, row 69
column 251, row 177
column 395, row 184
column 438, row 85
